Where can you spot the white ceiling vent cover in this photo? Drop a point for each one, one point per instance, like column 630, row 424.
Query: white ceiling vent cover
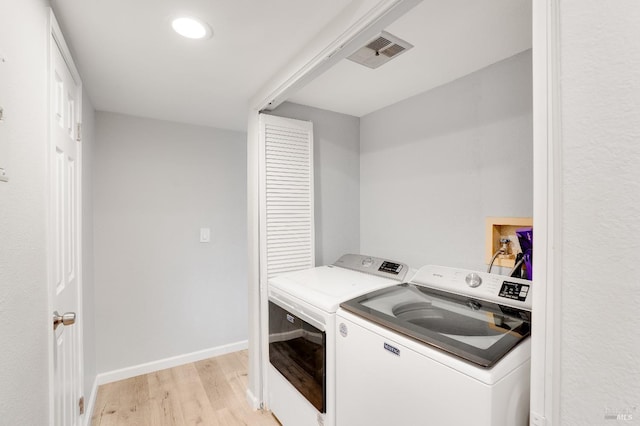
column 380, row 50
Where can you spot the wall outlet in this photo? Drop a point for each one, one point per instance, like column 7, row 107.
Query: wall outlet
column 3, row 175
column 205, row 235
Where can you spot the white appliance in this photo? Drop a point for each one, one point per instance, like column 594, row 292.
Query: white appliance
column 451, row 347
column 302, row 307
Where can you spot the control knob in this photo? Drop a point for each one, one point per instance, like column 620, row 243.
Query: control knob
column 473, row 280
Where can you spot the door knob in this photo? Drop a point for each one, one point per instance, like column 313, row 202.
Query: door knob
column 68, row 318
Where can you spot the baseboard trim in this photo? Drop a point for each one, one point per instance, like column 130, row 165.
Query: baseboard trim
column 253, row 401
column 150, row 367
column 89, row 405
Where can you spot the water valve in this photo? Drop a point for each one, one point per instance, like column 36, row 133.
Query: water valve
column 504, row 246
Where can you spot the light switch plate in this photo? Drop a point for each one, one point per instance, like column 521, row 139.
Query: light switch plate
column 205, row 235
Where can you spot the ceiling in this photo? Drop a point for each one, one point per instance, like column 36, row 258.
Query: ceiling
column 133, row 63
column 451, row 38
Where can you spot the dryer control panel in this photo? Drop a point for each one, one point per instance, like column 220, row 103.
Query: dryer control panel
column 373, row 265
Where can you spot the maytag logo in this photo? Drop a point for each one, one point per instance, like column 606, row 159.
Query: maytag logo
column 290, row 318
column 392, row 349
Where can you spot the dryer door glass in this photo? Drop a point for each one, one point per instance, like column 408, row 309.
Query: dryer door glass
column 298, row 351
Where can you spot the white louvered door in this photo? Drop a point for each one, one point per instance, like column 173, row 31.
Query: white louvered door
column 286, row 196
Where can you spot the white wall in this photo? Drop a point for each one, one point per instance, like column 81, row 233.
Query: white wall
column 24, row 312
column 600, row 112
column 88, row 292
column 336, row 155
column 160, row 292
column 432, row 167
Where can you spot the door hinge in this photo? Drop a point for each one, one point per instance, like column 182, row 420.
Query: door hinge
column 79, row 133
column 81, row 405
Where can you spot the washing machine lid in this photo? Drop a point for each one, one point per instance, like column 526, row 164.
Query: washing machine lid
column 479, row 331
column 325, row 287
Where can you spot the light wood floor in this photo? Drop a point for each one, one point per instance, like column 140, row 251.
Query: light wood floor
column 206, row 393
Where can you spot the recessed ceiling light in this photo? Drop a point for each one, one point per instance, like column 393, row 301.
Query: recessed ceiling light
column 191, row 28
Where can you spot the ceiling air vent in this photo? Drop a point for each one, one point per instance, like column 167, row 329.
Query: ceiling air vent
column 380, row 50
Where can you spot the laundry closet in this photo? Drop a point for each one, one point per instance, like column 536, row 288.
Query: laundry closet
column 419, row 158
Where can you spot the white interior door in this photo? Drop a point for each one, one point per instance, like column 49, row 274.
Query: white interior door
column 65, row 254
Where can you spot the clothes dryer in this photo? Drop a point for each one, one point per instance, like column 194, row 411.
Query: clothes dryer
column 302, row 308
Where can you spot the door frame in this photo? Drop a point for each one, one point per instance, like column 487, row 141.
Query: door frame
column 56, row 41
column 547, row 215
column 547, row 191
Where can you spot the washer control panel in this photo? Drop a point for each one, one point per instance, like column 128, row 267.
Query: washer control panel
column 515, row 291
column 496, row 288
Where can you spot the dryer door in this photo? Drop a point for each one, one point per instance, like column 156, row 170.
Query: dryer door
column 297, row 350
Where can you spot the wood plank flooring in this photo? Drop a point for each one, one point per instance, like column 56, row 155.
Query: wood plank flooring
column 205, row 393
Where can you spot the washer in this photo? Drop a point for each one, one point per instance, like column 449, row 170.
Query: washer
column 302, row 307
column 451, row 347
